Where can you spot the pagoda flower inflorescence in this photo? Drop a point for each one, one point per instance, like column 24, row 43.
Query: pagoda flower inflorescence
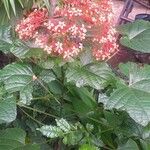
column 72, row 26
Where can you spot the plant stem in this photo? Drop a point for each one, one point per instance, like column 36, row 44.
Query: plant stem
column 51, row 94
column 30, row 108
column 31, row 117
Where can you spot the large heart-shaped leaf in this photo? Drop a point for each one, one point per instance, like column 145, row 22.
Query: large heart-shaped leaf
column 47, row 76
column 19, row 49
column 14, row 139
column 5, row 38
column 7, row 109
column 139, row 76
column 97, row 76
column 135, row 102
column 134, row 97
column 22, row 50
column 18, row 77
column 16, row 134
column 136, row 36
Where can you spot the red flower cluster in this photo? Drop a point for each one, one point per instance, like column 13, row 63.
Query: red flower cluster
column 77, row 23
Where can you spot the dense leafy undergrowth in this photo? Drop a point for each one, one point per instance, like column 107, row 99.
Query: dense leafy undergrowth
column 50, row 104
column 47, row 103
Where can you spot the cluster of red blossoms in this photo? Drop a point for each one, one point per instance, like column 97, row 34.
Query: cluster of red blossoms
column 72, row 26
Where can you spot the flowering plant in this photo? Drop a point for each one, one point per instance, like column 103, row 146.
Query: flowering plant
column 48, row 103
column 71, row 27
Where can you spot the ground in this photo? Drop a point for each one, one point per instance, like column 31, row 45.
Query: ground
column 118, row 5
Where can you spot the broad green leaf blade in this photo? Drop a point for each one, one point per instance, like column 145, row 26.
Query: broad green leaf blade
column 29, row 147
column 82, row 101
column 130, row 145
column 47, row 76
column 26, row 95
column 135, row 102
column 16, row 134
column 5, row 38
column 123, row 124
column 97, row 76
column 7, row 110
column 7, row 144
column 134, row 97
column 18, row 77
column 49, row 63
column 22, row 50
column 51, row 131
column 136, row 36
column 14, row 139
column 139, row 76
column 19, row 49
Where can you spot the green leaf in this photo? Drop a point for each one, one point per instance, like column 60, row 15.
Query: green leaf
column 130, row 145
column 35, row 53
column 134, row 97
column 63, row 125
column 135, row 102
column 50, row 131
column 16, row 134
column 97, row 76
column 12, row 138
column 3, row 17
column 26, row 95
column 139, row 76
column 146, row 132
column 123, row 124
column 29, row 147
column 20, row 1
column 6, row 144
column 6, row 5
column 5, row 38
column 12, row 3
column 145, row 144
column 19, row 49
column 18, row 77
column 22, row 50
column 88, row 147
column 48, row 63
column 7, row 110
column 82, row 101
column 47, row 76
column 136, row 36
column 103, row 98
column 73, row 138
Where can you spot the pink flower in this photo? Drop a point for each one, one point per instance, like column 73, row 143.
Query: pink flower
column 28, row 26
column 74, row 25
